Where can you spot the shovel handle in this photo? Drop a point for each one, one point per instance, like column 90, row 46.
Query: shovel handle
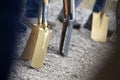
column 40, row 12
column 65, row 8
column 72, row 9
column 69, row 12
column 45, row 13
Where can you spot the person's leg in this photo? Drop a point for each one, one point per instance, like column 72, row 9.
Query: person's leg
column 98, row 6
column 88, row 24
column 20, row 27
column 32, row 8
column 60, row 17
column 77, row 25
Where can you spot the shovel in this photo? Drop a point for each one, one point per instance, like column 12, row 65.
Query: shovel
column 69, row 16
column 100, row 26
column 36, row 47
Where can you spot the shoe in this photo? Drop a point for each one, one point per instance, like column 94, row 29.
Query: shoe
column 60, row 17
column 110, row 33
column 88, row 24
column 76, row 25
column 51, row 24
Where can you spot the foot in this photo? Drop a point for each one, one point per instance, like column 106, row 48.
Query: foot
column 60, row 18
column 88, row 23
column 110, row 33
column 51, row 24
column 76, row 25
column 87, row 26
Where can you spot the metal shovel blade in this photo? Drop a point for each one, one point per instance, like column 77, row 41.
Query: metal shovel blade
column 41, row 48
column 67, row 38
column 30, row 46
column 99, row 27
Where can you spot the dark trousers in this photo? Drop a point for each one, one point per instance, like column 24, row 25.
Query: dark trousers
column 32, row 7
column 98, row 6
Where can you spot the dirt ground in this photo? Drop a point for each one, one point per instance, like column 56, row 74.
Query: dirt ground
column 86, row 58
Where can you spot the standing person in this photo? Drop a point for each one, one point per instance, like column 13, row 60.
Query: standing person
column 60, row 17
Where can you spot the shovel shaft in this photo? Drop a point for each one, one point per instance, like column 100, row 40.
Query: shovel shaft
column 40, row 12
column 45, row 12
column 67, row 26
column 63, row 36
column 65, row 8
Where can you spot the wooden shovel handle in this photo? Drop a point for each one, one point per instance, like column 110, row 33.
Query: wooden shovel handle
column 71, row 9
column 45, row 13
column 65, row 7
column 42, row 12
column 105, row 7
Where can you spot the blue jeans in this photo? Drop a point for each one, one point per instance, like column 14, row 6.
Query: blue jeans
column 32, row 8
column 77, row 3
column 99, row 5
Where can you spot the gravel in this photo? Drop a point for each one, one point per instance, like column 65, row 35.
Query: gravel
column 85, row 58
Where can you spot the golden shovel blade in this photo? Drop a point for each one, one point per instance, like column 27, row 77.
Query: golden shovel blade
column 99, row 27
column 41, row 48
column 30, row 46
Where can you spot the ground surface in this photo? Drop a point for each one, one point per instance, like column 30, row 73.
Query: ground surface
column 86, row 58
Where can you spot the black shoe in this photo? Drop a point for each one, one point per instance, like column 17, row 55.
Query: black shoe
column 61, row 16
column 51, row 24
column 76, row 25
column 110, row 33
column 88, row 24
